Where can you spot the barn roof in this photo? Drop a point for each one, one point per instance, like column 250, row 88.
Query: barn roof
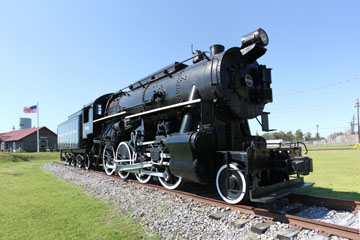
column 19, row 134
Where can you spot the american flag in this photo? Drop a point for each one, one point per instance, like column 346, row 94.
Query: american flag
column 31, row 109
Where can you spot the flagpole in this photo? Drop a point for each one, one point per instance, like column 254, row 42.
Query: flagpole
column 37, row 111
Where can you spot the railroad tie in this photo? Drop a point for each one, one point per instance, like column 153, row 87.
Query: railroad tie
column 239, row 223
column 260, row 228
column 218, row 215
column 288, row 234
column 347, row 221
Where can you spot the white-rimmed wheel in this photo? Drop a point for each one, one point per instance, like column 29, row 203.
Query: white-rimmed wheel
column 79, row 160
column 170, row 181
column 87, row 162
column 67, row 159
column 231, row 184
column 108, row 159
column 73, row 160
column 124, row 153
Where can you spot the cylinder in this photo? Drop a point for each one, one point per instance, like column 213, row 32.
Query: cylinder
column 186, row 123
column 187, row 120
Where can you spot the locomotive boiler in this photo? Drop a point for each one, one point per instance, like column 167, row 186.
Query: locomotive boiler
column 190, row 123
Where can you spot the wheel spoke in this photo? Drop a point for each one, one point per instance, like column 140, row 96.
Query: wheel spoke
column 110, row 166
column 143, row 178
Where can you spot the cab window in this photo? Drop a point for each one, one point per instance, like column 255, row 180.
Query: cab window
column 86, row 115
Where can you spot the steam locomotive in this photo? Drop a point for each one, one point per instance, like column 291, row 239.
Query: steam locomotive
column 190, row 123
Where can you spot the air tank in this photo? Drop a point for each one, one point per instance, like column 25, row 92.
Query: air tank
column 25, row 123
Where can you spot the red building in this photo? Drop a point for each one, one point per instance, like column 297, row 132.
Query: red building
column 25, row 139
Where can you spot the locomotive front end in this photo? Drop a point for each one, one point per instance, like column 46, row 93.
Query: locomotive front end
column 245, row 84
column 252, row 169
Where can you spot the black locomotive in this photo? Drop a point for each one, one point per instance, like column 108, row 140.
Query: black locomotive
column 190, row 122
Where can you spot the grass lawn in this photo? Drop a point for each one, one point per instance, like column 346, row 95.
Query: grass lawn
column 35, row 204
column 336, row 174
column 330, row 146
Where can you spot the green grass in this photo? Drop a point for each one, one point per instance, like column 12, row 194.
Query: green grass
column 336, row 174
column 330, row 146
column 35, row 204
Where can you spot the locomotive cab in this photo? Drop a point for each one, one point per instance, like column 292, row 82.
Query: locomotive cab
column 92, row 112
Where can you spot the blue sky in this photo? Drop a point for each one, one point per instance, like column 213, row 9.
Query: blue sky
column 64, row 54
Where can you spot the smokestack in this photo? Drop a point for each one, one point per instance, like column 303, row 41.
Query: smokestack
column 216, row 49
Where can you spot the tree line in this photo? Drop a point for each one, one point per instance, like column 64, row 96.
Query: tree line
column 291, row 137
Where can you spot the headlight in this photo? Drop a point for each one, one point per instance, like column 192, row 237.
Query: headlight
column 264, row 37
column 258, row 36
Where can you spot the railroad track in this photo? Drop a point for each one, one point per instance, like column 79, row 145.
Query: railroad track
column 324, row 228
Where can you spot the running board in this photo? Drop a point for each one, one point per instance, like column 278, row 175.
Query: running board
column 278, row 190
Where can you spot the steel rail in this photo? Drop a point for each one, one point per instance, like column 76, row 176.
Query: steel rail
column 333, row 203
column 326, row 229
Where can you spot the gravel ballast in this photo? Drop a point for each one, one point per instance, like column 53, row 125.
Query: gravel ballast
column 168, row 215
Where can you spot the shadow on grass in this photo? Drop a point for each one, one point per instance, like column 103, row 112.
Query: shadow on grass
column 327, row 192
column 16, row 174
column 19, row 158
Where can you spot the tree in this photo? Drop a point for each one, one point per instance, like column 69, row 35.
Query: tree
column 299, row 136
column 335, row 134
column 308, row 136
column 268, row 136
column 289, row 136
column 279, row 135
